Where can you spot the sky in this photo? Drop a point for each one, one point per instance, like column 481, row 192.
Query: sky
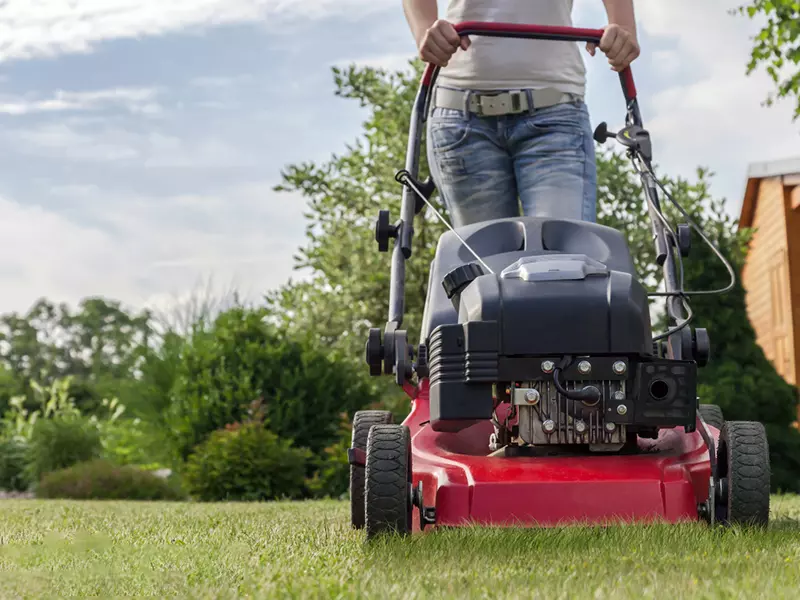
column 142, row 139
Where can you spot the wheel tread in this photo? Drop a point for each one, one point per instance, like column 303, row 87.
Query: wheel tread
column 748, row 472
column 363, row 420
column 386, row 496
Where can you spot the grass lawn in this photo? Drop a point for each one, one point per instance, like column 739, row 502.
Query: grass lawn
column 307, row 550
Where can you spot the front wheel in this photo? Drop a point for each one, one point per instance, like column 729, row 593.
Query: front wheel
column 743, row 472
column 388, row 493
column 363, row 421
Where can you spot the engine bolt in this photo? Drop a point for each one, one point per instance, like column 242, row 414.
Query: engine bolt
column 619, row 367
column 610, row 427
column 619, row 396
column 549, row 426
column 532, row 396
column 548, row 366
column 580, row 426
column 584, row 367
column 622, row 409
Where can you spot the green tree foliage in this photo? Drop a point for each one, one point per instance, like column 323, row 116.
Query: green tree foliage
column 349, row 288
column 100, row 347
column 777, row 45
column 243, row 359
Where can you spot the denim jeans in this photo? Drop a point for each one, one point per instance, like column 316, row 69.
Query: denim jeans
column 485, row 167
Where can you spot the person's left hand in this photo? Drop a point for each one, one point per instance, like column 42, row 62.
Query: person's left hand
column 619, row 45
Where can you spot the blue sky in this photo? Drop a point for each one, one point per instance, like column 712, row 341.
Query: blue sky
column 142, row 138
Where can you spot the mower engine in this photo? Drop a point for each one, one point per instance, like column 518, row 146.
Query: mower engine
column 545, row 417
column 551, row 344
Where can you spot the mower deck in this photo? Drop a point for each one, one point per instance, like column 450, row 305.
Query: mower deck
column 465, row 485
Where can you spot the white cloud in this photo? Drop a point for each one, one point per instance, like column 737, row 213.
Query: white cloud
column 132, row 99
column 31, row 28
column 143, row 250
column 395, row 61
column 713, row 114
column 90, row 141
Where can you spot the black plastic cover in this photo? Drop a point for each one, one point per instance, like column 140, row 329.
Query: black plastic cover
column 501, row 242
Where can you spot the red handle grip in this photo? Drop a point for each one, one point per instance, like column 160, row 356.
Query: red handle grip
column 540, row 32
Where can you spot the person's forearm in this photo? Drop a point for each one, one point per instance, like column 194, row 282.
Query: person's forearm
column 620, row 12
column 420, row 14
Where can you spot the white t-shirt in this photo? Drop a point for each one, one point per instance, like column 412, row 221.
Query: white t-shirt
column 509, row 63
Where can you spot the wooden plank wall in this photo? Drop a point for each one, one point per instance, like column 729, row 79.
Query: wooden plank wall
column 792, row 203
column 766, row 279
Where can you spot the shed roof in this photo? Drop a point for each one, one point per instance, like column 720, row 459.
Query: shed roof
column 763, row 170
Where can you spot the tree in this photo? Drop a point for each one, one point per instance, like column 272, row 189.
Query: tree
column 100, row 347
column 348, row 291
column 777, row 46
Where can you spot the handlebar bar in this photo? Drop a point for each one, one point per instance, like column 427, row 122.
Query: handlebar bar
column 537, row 32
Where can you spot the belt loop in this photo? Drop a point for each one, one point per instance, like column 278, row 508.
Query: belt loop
column 467, row 96
column 531, row 106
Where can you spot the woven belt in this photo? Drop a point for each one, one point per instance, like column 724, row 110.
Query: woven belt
column 493, row 104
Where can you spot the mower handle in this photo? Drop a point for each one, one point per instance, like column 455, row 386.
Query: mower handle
column 536, row 32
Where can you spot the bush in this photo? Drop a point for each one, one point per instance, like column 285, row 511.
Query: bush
column 61, row 442
column 242, row 358
column 13, row 477
column 331, row 478
column 138, row 443
column 102, row 480
column 246, row 463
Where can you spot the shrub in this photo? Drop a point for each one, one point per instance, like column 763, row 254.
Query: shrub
column 246, row 462
column 331, row 478
column 138, row 443
column 61, row 442
column 100, row 479
column 242, row 358
column 13, row 477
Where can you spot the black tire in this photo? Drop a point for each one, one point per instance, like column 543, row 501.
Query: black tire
column 362, row 421
column 744, row 474
column 712, row 414
column 388, row 506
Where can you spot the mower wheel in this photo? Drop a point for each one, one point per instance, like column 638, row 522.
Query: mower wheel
column 362, row 422
column 743, row 470
column 387, row 496
column 712, row 414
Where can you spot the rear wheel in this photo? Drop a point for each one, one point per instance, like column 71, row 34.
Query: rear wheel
column 743, row 487
column 712, row 414
column 388, row 494
column 362, row 422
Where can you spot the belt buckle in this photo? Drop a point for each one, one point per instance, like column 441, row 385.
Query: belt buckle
column 500, row 104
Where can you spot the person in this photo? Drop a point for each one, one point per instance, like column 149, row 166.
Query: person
column 508, row 123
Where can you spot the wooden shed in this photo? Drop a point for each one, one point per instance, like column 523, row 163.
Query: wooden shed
column 771, row 276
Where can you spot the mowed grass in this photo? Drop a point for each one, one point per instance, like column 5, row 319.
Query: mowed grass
column 307, row 550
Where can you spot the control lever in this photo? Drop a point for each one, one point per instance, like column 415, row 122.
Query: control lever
column 633, row 137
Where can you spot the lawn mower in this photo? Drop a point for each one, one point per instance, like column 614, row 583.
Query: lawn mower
column 540, row 396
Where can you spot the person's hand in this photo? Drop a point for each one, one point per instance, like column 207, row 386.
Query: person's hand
column 440, row 42
column 619, row 45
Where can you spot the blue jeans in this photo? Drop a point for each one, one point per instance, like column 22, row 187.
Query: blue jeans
column 485, row 167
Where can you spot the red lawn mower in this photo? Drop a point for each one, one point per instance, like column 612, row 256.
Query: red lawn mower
column 540, row 395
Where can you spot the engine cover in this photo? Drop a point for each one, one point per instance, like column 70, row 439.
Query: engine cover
column 561, row 304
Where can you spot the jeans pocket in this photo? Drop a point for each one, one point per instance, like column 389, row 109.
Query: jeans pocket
column 447, row 131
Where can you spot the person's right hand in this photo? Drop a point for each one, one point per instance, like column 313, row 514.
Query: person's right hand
column 440, row 42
